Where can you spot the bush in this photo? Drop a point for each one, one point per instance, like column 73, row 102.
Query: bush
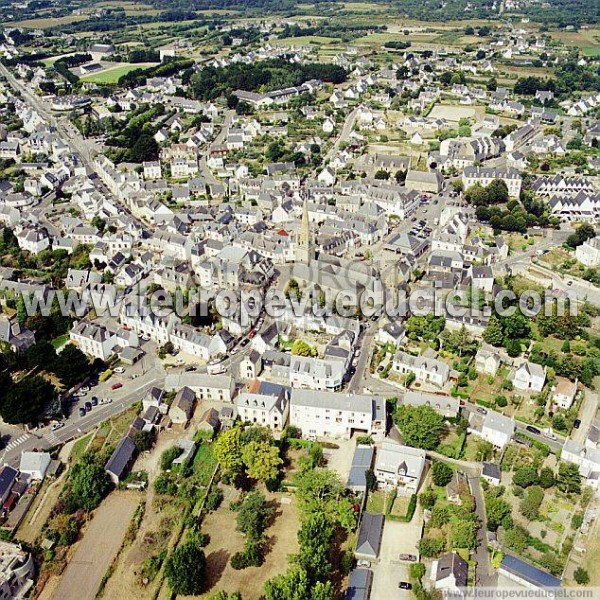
column 238, row 561
column 417, row 571
column 581, row 576
column 442, row 474
column 214, row 499
column 168, row 456
column 430, row 547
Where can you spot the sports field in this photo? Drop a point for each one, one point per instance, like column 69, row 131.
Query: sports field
column 112, row 74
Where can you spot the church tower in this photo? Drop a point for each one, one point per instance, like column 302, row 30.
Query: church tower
column 304, row 250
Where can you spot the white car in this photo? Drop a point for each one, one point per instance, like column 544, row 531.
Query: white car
column 85, row 388
column 119, row 370
column 57, row 426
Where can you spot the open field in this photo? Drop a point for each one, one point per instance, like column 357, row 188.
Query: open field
column 97, row 549
column 587, row 40
column 304, row 40
column 224, row 542
column 43, row 23
column 130, row 8
column 112, row 75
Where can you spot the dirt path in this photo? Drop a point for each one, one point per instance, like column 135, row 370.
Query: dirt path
column 97, row 549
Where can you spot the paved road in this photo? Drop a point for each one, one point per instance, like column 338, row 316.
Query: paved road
column 365, row 344
column 587, row 412
column 343, row 137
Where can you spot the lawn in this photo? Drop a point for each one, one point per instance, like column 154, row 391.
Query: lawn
column 376, row 502
column 43, row 23
column 79, row 447
column 113, row 74
column 60, row 341
column 204, row 463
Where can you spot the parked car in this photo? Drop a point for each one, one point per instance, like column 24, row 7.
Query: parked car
column 409, row 557
column 116, row 386
column 119, row 370
column 190, row 368
column 577, row 423
column 57, row 426
column 94, row 401
column 87, row 406
column 364, row 564
column 533, row 429
column 481, row 410
column 405, row 585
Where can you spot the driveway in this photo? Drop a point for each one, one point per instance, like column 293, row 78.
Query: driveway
column 96, row 551
column 398, row 538
column 587, row 412
column 482, row 575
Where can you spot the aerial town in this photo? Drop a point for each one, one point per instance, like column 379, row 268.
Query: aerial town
column 299, row 301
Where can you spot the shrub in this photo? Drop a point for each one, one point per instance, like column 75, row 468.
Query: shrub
column 442, row 474
column 214, row 499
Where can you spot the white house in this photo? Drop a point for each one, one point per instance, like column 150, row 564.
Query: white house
column 450, row 573
column 528, row 377
column 426, row 370
column 563, row 394
column 263, row 409
column 494, row 427
column 35, row 464
column 399, row 467
column 588, row 253
column 487, row 360
column 331, row 414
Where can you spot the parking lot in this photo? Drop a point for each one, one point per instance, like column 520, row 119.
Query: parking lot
column 398, row 538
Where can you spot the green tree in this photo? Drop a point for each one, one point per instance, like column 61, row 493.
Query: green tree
column 185, row 570
column 547, row 478
column 497, row 510
column 517, row 538
column 227, row 449
column 253, row 515
column 88, row 484
column 421, row 426
column 262, row 460
column 581, row 576
column 442, row 473
column 531, row 502
column 431, row 547
column 295, row 585
column 24, row 402
column 569, row 479
column 301, row 348
column 463, row 534
column 314, row 538
column 493, row 333
column 427, row 498
column 525, row 476
column 417, row 571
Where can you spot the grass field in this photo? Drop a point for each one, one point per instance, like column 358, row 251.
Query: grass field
column 304, row 40
column 130, row 8
column 42, row 23
column 587, row 40
column 112, row 75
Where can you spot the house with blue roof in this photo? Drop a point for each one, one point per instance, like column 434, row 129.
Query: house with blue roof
column 527, row 575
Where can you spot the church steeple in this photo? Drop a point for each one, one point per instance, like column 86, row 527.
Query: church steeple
column 305, row 250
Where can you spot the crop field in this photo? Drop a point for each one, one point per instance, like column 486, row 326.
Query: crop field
column 112, row 75
column 130, row 8
column 45, row 23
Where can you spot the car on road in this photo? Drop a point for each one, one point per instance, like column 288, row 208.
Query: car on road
column 244, row 342
column 87, row 406
column 405, row 585
column 94, row 401
column 85, row 388
column 533, row 429
column 481, row 410
column 365, row 564
column 116, row 386
column 57, row 426
column 577, row 423
column 190, row 368
column 119, row 370
column 408, row 557
column 570, row 282
column 106, row 401
column 81, row 411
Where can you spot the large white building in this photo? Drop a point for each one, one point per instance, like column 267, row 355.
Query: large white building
column 16, row 572
column 485, row 175
column 399, row 467
column 337, row 415
column 494, row 427
column 264, row 409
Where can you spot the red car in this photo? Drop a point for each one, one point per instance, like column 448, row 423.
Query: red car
column 116, row 386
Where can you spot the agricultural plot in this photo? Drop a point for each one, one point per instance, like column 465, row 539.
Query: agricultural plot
column 113, row 74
